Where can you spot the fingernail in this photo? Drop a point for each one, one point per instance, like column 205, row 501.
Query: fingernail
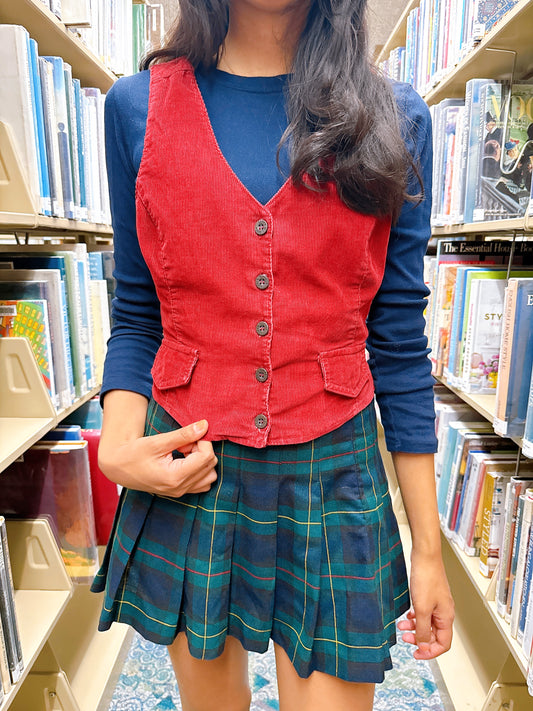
column 423, row 646
column 199, row 426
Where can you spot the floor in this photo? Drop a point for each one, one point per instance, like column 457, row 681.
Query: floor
column 146, row 682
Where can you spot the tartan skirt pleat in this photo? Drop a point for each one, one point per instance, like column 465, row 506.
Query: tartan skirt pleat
column 296, row 543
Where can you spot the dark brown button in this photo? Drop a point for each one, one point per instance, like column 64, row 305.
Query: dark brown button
column 262, row 282
column 261, row 375
column 262, row 328
column 261, row 227
column 261, row 422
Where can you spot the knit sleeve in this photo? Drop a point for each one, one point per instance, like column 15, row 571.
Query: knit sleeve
column 397, row 346
column 136, row 332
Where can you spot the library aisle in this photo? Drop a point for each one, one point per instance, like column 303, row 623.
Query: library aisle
column 472, row 62
column 146, row 683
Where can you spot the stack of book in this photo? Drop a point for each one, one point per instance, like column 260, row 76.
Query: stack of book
column 52, row 480
column 57, row 129
column 483, row 153
column 480, row 323
column 58, row 297
column 439, row 34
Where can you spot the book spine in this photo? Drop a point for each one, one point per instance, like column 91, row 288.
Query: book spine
column 44, row 180
column 520, row 565
column 9, row 624
column 466, row 522
column 505, row 557
column 502, row 388
column 514, row 557
column 73, row 139
column 488, row 498
column 528, row 581
column 52, row 146
column 11, row 591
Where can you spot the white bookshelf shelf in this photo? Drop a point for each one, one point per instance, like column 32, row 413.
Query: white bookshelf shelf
column 26, row 412
column 12, row 222
column 42, row 589
column 519, row 224
column 88, row 657
column 484, row 404
column 482, row 587
column 53, row 38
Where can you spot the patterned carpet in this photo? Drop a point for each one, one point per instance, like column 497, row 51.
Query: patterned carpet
column 146, row 682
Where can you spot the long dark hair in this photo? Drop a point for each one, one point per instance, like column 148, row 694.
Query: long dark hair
column 343, row 119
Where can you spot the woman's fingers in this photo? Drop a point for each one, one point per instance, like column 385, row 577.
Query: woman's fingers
column 429, row 634
column 181, row 439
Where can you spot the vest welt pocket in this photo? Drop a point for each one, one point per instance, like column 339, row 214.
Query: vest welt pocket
column 173, row 365
column 345, row 370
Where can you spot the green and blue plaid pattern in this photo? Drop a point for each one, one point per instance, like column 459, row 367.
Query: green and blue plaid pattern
column 296, row 543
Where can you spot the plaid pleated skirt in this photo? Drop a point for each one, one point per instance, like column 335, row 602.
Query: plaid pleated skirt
column 296, row 543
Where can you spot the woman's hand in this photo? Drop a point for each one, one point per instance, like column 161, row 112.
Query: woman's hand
column 430, row 619
column 147, row 463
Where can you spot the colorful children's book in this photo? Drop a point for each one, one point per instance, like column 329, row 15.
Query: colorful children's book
column 25, row 318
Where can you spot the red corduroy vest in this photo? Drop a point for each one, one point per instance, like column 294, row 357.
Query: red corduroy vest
column 263, row 306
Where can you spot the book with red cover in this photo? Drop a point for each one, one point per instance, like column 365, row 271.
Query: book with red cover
column 105, row 492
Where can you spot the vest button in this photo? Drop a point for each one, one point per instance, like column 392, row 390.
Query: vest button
column 261, row 375
column 261, row 227
column 262, row 328
column 262, row 282
column 260, row 422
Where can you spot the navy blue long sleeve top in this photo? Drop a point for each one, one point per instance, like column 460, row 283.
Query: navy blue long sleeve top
column 248, row 118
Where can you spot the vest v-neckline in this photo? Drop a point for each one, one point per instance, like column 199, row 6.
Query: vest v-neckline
column 213, row 139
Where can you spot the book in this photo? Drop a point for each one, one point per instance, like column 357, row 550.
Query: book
column 517, row 148
column 57, row 317
column 452, row 255
column 474, row 140
column 8, row 613
column 527, row 442
column 516, row 358
column 483, row 335
column 25, row 318
column 449, row 472
column 72, row 122
column 489, row 203
column 46, row 74
column 523, row 545
column 466, row 442
column 515, row 487
column 62, row 134
column 52, row 269
column 101, row 329
column 53, row 479
column 525, row 599
column 105, row 493
column 492, row 529
column 12, row 612
column 471, row 524
column 40, row 136
column 17, row 102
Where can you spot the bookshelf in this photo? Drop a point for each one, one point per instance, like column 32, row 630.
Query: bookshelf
column 486, row 668
column 68, row 664
column 42, row 590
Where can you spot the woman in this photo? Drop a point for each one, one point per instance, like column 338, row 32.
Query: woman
column 265, row 160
